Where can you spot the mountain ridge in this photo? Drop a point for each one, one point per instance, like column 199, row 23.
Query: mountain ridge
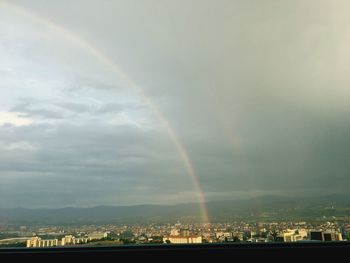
column 218, row 210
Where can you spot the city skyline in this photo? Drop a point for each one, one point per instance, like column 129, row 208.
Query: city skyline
column 179, row 233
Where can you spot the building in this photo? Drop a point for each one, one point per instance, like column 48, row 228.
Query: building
column 97, row 235
column 71, row 240
column 332, row 236
column 184, row 232
column 325, row 236
column 303, row 232
column 292, row 235
column 183, row 239
column 174, row 232
column 223, row 234
column 67, row 240
column 316, row 235
column 38, row 242
column 257, row 240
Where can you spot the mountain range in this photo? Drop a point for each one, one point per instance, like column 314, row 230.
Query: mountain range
column 260, row 208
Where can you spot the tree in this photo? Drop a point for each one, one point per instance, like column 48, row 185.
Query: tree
column 274, row 233
column 236, row 239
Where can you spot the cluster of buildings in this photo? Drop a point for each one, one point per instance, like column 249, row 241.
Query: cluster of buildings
column 313, row 235
column 66, row 240
column 190, row 233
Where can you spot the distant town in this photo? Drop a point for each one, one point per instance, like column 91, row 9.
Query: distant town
column 178, row 233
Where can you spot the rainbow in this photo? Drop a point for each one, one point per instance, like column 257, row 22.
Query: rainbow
column 102, row 58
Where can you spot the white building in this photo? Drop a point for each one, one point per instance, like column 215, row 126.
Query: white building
column 174, row 232
column 72, row 240
column 98, row 235
column 294, row 235
column 183, row 239
column 223, row 234
column 67, row 240
column 38, row 242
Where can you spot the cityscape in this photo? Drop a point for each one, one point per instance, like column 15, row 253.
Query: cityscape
column 161, row 123
column 111, row 235
column 178, row 233
column 258, row 220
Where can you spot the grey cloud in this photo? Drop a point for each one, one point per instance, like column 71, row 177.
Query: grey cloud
column 75, row 107
column 59, row 110
column 47, row 114
column 257, row 92
column 87, row 157
column 109, row 108
column 30, row 110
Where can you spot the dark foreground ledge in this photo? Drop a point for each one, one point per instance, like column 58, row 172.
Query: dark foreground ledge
column 215, row 252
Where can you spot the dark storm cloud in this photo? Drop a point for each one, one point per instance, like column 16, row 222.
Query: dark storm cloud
column 96, row 160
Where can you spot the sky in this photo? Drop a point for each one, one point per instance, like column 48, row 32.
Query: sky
column 255, row 94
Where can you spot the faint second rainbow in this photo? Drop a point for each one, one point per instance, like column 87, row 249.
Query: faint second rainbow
column 100, row 56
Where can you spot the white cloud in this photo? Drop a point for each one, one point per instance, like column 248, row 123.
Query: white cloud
column 21, row 145
column 14, row 118
column 124, row 119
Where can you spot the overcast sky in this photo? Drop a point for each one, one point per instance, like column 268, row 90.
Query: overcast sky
column 258, row 93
